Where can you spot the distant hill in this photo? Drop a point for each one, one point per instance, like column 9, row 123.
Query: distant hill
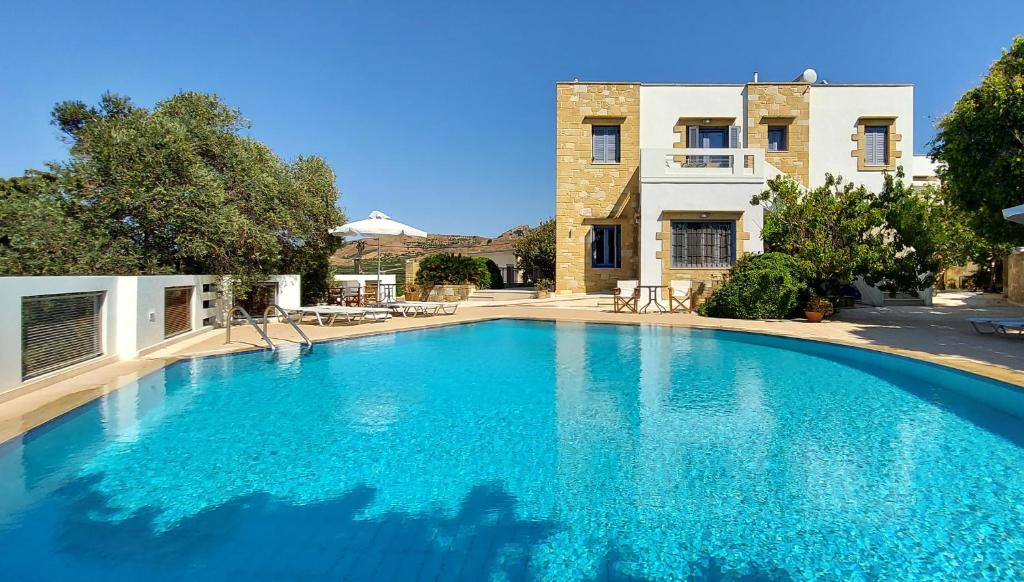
column 403, row 247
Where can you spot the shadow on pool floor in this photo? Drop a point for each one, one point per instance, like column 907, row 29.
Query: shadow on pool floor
column 76, row 535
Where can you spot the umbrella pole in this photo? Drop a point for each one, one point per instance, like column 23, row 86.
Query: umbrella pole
column 378, row 268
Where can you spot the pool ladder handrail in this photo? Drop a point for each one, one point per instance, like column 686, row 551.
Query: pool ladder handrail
column 282, row 312
column 248, row 318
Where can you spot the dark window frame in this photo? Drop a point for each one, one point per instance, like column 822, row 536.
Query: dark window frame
column 612, row 246
column 784, row 130
column 681, row 259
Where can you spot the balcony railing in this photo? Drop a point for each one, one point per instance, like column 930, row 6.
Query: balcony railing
column 701, row 165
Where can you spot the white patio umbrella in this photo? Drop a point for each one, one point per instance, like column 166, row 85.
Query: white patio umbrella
column 376, row 225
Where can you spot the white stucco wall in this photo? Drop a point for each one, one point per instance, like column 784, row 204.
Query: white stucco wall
column 659, row 198
column 661, row 106
column 835, row 110
column 132, row 313
column 500, row 258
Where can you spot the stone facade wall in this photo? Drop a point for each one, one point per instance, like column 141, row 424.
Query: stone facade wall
column 588, row 194
column 785, row 104
column 1015, row 278
column 450, row 293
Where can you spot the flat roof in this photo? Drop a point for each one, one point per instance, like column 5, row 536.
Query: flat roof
column 644, row 84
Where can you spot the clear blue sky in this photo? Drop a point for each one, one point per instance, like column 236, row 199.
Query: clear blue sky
column 442, row 113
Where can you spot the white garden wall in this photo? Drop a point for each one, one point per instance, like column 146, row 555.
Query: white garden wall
column 132, row 313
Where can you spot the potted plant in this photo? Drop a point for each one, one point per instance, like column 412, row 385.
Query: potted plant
column 543, row 288
column 817, row 308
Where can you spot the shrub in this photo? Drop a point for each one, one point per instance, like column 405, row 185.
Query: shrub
column 820, row 305
column 452, row 269
column 490, row 274
column 535, row 252
column 768, row 286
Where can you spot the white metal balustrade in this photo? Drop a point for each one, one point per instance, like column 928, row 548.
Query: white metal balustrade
column 702, row 165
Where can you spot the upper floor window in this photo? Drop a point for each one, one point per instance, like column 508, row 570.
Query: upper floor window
column 702, row 244
column 606, row 144
column 777, row 138
column 876, row 145
column 606, row 246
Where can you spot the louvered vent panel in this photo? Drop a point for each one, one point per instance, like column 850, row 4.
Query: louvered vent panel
column 59, row 330
column 177, row 310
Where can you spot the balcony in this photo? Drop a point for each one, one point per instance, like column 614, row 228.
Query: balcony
column 702, row 165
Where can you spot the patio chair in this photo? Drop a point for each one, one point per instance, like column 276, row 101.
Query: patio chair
column 371, row 293
column 626, row 296
column 351, row 295
column 679, row 293
column 997, row 325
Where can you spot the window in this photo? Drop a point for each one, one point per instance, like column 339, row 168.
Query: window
column 712, row 136
column 605, row 247
column 876, row 145
column 606, row 144
column 59, row 330
column 778, row 138
column 703, row 244
column 715, row 136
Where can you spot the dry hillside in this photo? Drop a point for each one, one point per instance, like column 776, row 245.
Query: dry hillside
column 411, row 247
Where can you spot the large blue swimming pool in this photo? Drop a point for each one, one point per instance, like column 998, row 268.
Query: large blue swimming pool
column 525, row 450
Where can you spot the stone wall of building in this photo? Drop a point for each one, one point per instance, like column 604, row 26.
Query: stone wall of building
column 589, row 194
column 786, row 104
column 449, row 293
column 1014, row 285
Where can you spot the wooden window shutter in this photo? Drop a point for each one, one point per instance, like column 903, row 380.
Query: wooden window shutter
column 611, row 144
column 177, row 310
column 598, row 146
column 693, row 136
column 734, row 137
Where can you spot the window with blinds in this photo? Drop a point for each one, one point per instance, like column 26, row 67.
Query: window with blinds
column 703, row 244
column 177, row 310
column 59, row 330
column 876, row 145
column 606, row 144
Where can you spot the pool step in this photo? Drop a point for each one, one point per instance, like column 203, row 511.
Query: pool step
column 903, row 299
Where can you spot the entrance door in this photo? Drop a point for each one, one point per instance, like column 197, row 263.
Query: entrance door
column 259, row 298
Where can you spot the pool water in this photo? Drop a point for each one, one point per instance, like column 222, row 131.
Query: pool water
column 514, row 450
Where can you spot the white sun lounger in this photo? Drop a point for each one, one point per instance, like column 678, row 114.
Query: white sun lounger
column 405, row 308
column 333, row 312
column 987, row 325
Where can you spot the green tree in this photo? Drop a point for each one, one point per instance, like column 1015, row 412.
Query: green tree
column 845, row 231
column 981, row 145
column 179, row 189
column 535, row 251
column 39, row 237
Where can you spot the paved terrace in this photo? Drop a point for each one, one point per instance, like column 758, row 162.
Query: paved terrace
column 939, row 334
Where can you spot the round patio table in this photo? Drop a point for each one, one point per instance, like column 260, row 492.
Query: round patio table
column 652, row 298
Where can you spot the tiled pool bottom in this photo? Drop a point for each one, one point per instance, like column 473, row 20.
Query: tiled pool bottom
column 524, row 450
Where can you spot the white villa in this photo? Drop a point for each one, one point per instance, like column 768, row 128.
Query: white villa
column 654, row 181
